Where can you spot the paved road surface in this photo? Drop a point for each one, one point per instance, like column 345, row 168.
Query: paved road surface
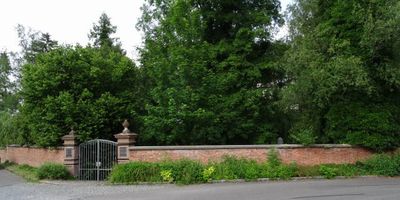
column 12, row 187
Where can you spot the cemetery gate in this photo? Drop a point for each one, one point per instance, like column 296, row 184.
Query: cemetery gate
column 96, row 159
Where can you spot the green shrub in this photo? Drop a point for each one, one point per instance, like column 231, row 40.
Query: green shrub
column 187, row 172
column 11, row 129
column 328, row 171
column 348, row 170
column 253, row 171
column 182, row 172
column 273, row 158
column 371, row 125
column 305, row 137
column 307, row 171
column 237, row 168
column 279, row 172
column 274, row 169
column 167, row 176
column 135, row 172
column 53, row 171
column 208, row 173
column 383, row 164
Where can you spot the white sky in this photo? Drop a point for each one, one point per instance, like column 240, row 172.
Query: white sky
column 69, row 21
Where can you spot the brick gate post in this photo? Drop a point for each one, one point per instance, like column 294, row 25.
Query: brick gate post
column 125, row 140
column 71, row 153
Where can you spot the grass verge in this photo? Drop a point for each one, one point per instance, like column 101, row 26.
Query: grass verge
column 232, row 168
column 27, row 172
column 49, row 171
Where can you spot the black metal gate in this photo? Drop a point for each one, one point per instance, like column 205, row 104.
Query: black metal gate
column 96, row 159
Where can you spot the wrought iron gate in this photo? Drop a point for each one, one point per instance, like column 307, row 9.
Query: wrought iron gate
column 96, row 159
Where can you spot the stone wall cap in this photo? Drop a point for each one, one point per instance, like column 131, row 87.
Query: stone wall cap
column 124, row 135
column 69, row 137
column 14, row 145
column 271, row 146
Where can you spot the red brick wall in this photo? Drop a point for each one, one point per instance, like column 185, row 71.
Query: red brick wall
column 317, row 154
column 32, row 156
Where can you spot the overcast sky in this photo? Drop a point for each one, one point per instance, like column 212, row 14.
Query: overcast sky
column 69, row 21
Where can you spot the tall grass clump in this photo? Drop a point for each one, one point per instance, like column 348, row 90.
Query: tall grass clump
column 382, row 164
column 53, row 171
column 187, row 171
column 27, row 172
column 229, row 168
column 135, row 172
column 236, row 168
column 274, row 169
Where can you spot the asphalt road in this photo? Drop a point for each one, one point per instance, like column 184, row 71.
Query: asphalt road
column 12, row 187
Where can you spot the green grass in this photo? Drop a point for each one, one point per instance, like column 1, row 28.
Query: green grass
column 230, row 168
column 53, row 171
column 27, row 172
column 307, row 171
column 49, row 171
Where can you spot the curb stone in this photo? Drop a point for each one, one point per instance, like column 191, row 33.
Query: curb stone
column 290, row 179
column 104, row 183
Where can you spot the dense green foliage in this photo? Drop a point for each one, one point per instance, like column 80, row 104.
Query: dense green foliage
column 344, row 66
column 8, row 99
column 91, row 89
column 11, row 131
column 86, row 88
column 101, row 34
column 383, row 164
column 211, row 71
column 53, row 171
column 232, row 168
column 189, row 171
column 50, row 171
column 33, row 43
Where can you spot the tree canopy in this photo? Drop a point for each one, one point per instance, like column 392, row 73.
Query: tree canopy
column 90, row 89
column 213, row 72
column 344, row 67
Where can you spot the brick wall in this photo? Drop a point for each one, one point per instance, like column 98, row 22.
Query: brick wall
column 316, row 154
column 32, row 156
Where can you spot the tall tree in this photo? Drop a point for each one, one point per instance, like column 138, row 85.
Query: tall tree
column 10, row 132
column 101, row 34
column 8, row 100
column 89, row 88
column 211, row 67
column 345, row 71
column 34, row 42
column 85, row 88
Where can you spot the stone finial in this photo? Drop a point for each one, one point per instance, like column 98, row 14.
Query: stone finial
column 126, row 125
column 280, row 140
column 72, row 132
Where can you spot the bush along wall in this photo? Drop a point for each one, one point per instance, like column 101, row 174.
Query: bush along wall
column 48, row 171
column 232, row 168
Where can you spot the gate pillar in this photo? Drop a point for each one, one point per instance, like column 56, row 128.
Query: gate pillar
column 125, row 140
column 71, row 153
